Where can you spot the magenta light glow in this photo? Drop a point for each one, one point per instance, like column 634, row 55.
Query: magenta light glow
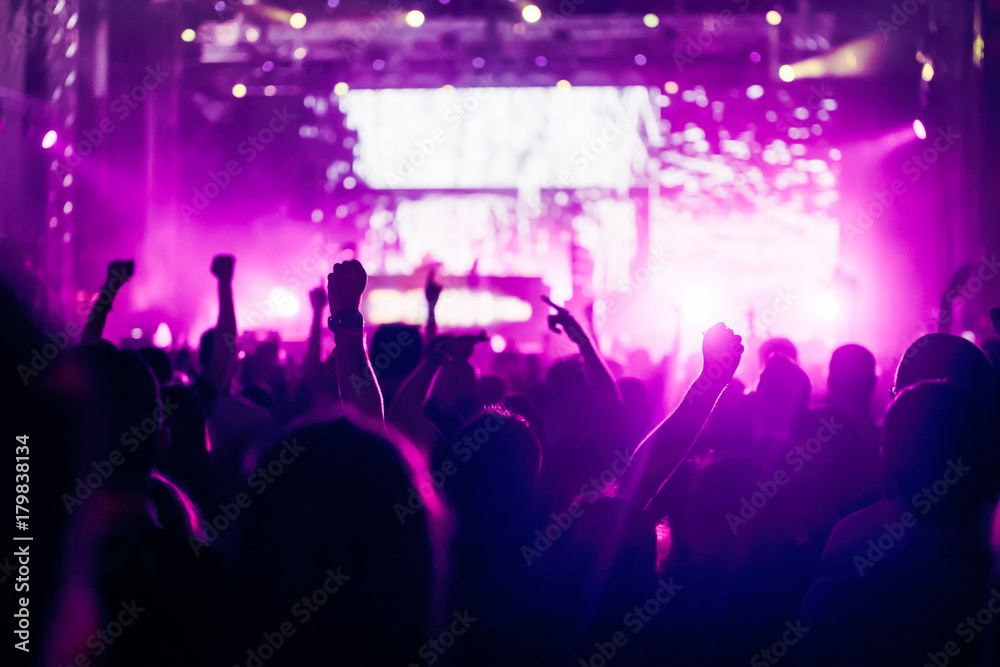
column 919, row 130
column 49, row 140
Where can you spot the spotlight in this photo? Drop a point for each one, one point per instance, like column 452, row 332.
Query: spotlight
column 49, row 140
column 341, row 88
column 531, row 13
column 927, row 71
column 188, row 35
column 239, row 90
column 919, row 129
column 415, row 18
column 786, row 73
column 773, row 17
column 297, row 20
column 563, row 83
column 828, row 308
column 671, row 87
column 755, row 91
column 651, row 20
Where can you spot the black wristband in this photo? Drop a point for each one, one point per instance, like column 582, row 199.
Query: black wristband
column 346, row 318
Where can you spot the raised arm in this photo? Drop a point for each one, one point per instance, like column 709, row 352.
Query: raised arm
column 313, row 361
column 602, row 384
column 406, row 412
column 358, row 385
column 216, row 372
column 666, row 447
column 432, row 292
column 119, row 271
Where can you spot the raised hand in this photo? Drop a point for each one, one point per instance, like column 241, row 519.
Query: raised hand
column 458, row 348
column 345, row 285
column 119, row 271
column 721, row 351
column 432, row 290
column 564, row 319
column 222, row 267
column 317, row 298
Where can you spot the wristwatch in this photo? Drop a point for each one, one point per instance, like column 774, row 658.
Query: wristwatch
column 346, row 319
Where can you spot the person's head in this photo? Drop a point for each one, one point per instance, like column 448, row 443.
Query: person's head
column 941, row 356
column 773, row 346
column 852, row 374
column 938, row 438
column 394, row 354
column 118, row 408
column 782, row 393
column 498, row 459
column 343, row 523
column 205, row 348
column 158, row 362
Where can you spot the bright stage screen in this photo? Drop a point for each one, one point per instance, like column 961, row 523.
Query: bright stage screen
column 474, row 138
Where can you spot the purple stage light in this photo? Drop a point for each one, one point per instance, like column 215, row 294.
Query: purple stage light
column 919, row 129
column 49, row 140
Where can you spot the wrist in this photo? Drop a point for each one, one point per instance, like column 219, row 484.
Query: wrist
column 346, row 320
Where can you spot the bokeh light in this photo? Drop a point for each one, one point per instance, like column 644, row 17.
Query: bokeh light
column 531, row 13
column 188, row 35
column 773, row 17
column 415, row 18
column 297, row 20
column 919, row 129
column 239, row 90
column 786, row 73
column 49, row 140
column 651, row 20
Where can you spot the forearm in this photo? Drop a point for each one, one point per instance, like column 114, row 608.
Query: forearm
column 666, row 447
column 406, row 412
column 223, row 339
column 93, row 331
column 432, row 326
column 313, row 355
column 355, row 378
column 602, row 384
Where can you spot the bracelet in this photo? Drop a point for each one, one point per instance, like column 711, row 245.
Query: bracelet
column 346, row 319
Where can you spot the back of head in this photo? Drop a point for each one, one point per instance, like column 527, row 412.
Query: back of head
column 328, row 543
column 498, row 458
column 938, row 449
column 782, row 383
column 158, row 362
column 395, row 353
column 777, row 346
column 852, row 372
column 120, row 385
column 941, row 356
